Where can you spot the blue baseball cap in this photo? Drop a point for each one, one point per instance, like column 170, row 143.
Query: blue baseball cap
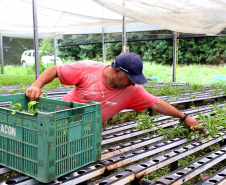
column 131, row 64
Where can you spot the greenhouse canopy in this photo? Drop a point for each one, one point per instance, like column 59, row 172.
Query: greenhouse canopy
column 57, row 17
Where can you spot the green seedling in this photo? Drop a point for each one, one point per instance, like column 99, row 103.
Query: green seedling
column 193, row 97
column 31, row 107
column 45, row 95
column 1, row 90
column 144, row 121
column 18, row 107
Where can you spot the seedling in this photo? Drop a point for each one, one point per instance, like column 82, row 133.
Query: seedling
column 1, row 90
column 144, row 121
column 193, row 97
column 31, row 107
column 18, row 107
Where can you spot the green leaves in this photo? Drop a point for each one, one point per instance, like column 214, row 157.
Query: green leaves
column 30, row 107
column 18, row 107
column 145, row 121
column 177, row 131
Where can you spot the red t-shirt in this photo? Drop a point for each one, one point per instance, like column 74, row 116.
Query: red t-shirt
column 87, row 76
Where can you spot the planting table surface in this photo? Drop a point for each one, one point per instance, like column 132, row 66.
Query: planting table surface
column 121, row 150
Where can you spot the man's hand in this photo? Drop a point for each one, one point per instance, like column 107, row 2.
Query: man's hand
column 33, row 93
column 190, row 122
column 46, row 77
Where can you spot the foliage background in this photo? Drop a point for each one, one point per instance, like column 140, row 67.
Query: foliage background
column 207, row 50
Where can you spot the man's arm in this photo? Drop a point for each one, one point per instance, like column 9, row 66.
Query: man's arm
column 47, row 76
column 167, row 109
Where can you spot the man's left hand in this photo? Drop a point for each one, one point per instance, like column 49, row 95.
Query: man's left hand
column 190, row 122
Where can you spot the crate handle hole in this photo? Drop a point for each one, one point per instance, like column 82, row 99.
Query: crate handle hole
column 41, row 125
column 118, row 176
column 10, row 182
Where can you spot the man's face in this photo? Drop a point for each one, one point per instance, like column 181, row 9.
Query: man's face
column 123, row 81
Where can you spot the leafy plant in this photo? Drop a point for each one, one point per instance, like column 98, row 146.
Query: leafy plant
column 18, row 107
column 178, row 131
column 145, row 121
column 210, row 123
column 31, row 107
column 193, row 97
column 1, row 90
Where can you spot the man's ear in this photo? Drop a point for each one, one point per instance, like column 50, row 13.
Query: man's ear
column 117, row 72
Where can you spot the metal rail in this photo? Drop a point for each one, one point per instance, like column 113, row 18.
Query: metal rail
column 139, row 170
column 162, row 160
column 133, row 124
column 3, row 170
column 190, row 170
column 218, row 178
column 121, row 154
column 134, row 132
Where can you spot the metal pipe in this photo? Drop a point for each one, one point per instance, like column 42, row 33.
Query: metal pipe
column 123, row 35
column 36, row 44
column 123, row 32
column 55, row 48
column 1, row 51
column 174, row 55
column 103, row 46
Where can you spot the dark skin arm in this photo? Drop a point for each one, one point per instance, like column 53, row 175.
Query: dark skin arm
column 167, row 109
column 46, row 77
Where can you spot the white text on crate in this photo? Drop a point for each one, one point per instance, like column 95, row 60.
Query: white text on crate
column 8, row 130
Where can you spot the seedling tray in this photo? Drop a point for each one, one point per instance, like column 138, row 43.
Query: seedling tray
column 50, row 143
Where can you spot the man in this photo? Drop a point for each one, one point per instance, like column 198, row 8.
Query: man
column 116, row 86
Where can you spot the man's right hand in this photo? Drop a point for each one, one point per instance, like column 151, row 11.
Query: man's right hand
column 33, row 93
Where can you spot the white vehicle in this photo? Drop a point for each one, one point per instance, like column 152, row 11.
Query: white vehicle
column 28, row 57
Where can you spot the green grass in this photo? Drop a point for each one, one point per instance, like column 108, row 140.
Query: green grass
column 194, row 74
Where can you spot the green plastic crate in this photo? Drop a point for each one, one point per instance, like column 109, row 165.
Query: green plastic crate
column 50, row 143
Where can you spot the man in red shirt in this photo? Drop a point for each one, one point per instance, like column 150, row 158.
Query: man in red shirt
column 116, row 86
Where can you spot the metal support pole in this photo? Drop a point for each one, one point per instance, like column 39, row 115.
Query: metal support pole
column 123, row 35
column 174, row 55
column 1, row 51
column 55, row 49
column 103, row 46
column 36, row 48
column 123, row 32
